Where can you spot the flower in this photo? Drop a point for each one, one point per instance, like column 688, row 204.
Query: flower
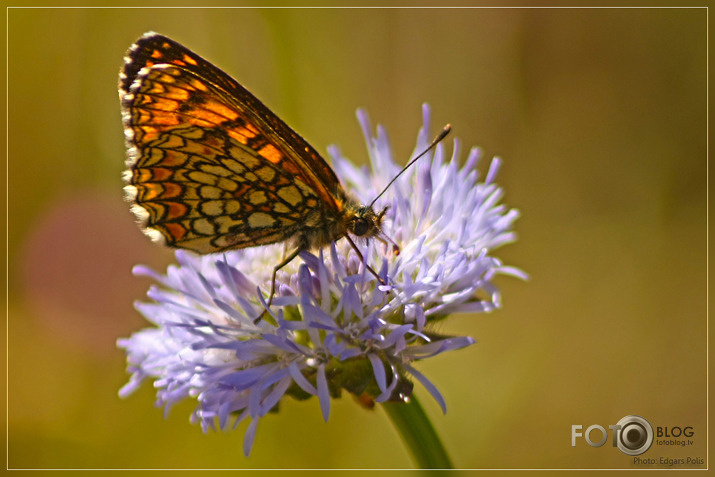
column 332, row 326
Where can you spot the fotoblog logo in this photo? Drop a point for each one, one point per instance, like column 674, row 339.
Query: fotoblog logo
column 633, row 435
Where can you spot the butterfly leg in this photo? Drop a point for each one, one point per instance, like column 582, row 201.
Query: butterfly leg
column 352, row 244
column 285, row 262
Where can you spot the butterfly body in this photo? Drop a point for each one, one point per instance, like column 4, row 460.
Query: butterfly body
column 210, row 168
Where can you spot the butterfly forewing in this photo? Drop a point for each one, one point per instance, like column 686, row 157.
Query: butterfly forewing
column 211, row 168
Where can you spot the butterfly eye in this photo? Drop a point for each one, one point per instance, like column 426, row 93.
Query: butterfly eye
column 360, row 226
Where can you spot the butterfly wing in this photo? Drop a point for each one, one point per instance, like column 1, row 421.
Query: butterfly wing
column 210, row 168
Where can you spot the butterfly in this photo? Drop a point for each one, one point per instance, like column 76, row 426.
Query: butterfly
column 211, row 169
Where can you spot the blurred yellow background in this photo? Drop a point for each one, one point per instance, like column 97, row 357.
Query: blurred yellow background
column 600, row 117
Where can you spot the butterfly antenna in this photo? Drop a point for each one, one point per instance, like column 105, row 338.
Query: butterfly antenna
column 434, row 142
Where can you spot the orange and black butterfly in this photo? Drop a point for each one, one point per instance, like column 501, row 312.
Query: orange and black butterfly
column 210, row 168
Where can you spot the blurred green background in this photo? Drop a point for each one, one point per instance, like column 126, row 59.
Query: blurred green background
column 600, row 117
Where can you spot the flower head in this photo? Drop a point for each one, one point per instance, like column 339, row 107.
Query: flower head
column 331, row 326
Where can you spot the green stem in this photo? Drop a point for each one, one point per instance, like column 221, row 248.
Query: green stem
column 417, row 433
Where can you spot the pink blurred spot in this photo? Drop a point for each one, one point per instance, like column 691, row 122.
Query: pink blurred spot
column 76, row 271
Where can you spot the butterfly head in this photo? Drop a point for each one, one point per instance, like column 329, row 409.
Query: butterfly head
column 366, row 223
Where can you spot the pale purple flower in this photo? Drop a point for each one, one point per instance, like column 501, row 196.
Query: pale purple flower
column 330, row 317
